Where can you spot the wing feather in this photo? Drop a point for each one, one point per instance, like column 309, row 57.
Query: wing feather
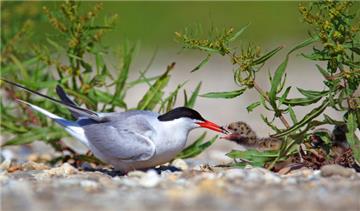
column 126, row 140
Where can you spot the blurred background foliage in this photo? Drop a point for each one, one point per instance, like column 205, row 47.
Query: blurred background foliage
column 153, row 23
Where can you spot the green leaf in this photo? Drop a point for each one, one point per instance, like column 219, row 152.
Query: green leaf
column 197, row 147
column 355, row 50
column 268, row 123
column 141, row 80
column 238, row 33
column 284, row 96
column 58, row 47
column 254, row 157
column 252, row 106
column 192, row 100
column 202, row 63
column 323, row 71
column 226, row 95
column 210, row 50
column 292, row 115
column 123, row 76
column 20, row 65
column 86, row 66
column 316, row 57
column 105, row 97
column 332, row 121
column 35, row 134
column 276, row 82
column 169, row 101
column 154, row 94
column 311, row 93
column 307, row 118
column 351, row 138
column 266, row 56
column 83, row 98
column 304, row 44
column 301, row 101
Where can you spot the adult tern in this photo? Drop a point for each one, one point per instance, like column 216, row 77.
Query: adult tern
column 127, row 140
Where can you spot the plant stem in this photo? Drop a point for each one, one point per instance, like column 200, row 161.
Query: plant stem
column 263, row 93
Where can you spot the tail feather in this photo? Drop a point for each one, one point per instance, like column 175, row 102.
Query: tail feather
column 65, row 99
column 72, row 107
column 71, row 127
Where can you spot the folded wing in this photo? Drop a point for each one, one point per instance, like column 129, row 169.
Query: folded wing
column 127, row 139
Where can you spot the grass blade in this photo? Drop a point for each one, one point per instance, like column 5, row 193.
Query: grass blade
column 226, row 95
column 202, row 63
column 351, row 138
column 307, row 118
column 197, row 147
column 192, row 100
column 252, row 106
column 154, row 94
column 238, row 33
column 267, row 56
column 304, row 44
column 276, row 82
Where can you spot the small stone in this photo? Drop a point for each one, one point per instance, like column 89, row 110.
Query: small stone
column 28, row 166
column 3, row 177
column 180, row 164
column 253, row 176
column 33, row 157
column 290, row 181
column 151, row 179
column 136, row 174
column 5, row 165
column 272, row 178
column 89, row 185
column 330, row 170
column 64, row 170
column 234, row 174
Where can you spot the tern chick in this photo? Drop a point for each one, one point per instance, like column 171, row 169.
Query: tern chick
column 242, row 134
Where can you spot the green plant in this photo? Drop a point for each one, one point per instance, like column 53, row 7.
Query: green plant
column 337, row 33
column 75, row 58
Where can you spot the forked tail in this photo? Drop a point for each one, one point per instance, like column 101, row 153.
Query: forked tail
column 71, row 127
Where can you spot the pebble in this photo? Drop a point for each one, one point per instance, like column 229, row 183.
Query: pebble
column 30, row 165
column 290, row 181
column 3, row 177
column 136, row 174
column 64, row 170
column 253, row 176
column 234, row 174
column 331, row 170
column 150, row 180
column 89, row 185
column 180, row 164
column 270, row 177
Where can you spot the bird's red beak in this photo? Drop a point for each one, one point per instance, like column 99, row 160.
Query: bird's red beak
column 212, row 126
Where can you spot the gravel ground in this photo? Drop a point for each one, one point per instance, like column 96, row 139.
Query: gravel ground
column 38, row 187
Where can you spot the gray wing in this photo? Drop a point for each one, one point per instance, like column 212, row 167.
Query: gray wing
column 125, row 140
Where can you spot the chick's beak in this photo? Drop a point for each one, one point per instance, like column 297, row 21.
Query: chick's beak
column 212, row 126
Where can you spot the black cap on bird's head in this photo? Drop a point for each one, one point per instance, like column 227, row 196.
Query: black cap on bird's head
column 181, row 112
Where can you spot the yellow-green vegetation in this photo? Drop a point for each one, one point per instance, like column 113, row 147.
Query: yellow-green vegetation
column 335, row 42
column 74, row 57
